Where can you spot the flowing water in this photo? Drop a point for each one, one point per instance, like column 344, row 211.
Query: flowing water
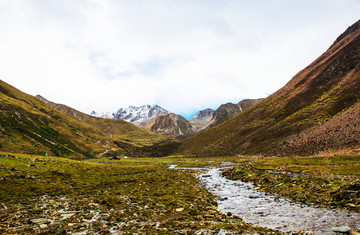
column 261, row 209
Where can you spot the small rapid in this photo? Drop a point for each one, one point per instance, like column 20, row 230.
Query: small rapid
column 261, row 209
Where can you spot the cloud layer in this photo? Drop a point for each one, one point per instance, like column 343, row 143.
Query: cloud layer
column 182, row 55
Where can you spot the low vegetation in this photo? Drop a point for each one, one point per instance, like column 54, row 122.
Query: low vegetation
column 41, row 194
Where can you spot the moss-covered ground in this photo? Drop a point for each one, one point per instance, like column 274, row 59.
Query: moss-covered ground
column 52, row 195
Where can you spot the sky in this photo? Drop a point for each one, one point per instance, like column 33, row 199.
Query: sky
column 184, row 55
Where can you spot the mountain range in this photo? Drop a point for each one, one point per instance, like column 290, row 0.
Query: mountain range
column 316, row 112
column 157, row 119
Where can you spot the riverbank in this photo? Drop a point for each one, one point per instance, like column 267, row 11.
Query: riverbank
column 262, row 209
column 331, row 182
column 58, row 195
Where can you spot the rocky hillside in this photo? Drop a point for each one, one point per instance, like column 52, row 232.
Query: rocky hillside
column 171, row 124
column 117, row 129
column 140, row 115
column 202, row 117
column 318, row 93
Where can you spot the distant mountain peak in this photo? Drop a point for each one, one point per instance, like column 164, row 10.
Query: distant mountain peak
column 202, row 117
column 139, row 114
column 172, row 124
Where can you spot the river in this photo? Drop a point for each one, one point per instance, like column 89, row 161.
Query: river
column 262, row 209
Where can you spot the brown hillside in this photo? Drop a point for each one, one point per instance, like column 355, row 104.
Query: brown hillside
column 323, row 89
column 341, row 132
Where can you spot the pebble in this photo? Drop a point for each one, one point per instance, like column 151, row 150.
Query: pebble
column 67, row 215
column 43, row 226
column 39, row 220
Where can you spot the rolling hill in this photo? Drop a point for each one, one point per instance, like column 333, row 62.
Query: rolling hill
column 322, row 91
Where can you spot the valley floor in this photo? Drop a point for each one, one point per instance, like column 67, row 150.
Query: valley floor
column 59, row 195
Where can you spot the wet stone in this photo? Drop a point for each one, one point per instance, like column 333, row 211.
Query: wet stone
column 341, row 230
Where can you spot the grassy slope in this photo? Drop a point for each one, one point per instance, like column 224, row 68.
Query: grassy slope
column 28, row 125
column 323, row 89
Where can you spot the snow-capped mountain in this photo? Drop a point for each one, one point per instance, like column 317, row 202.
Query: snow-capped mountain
column 139, row 115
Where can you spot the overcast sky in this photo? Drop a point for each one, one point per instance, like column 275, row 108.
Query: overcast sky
column 184, row 55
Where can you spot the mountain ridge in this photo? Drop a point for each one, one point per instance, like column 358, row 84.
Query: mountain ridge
column 313, row 96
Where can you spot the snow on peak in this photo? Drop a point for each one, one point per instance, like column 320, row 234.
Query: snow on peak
column 139, row 115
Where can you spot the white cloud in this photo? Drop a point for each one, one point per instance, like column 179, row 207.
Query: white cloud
column 184, row 55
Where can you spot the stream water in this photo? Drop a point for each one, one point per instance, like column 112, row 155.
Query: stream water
column 262, row 209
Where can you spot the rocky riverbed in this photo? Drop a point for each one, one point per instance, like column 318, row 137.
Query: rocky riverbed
column 261, row 209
